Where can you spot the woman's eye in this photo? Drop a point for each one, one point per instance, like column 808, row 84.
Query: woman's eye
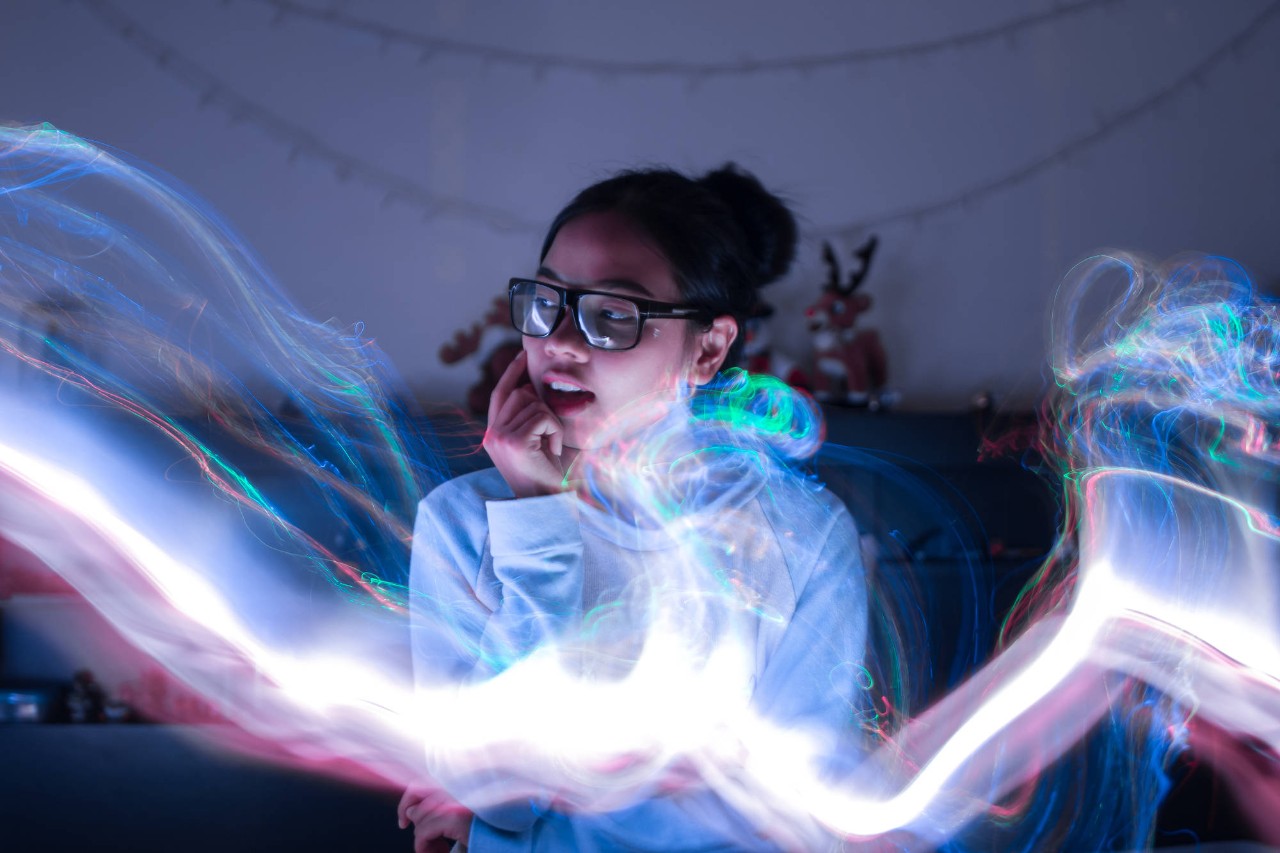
column 613, row 313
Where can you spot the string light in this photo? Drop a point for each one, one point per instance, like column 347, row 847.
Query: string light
column 298, row 141
column 1104, row 127
column 400, row 190
column 695, row 72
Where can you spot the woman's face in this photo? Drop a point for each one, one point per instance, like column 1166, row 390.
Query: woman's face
column 584, row 386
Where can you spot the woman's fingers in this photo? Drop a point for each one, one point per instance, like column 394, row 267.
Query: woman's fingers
column 415, row 799
column 533, row 424
column 408, row 798
column 519, row 428
column 508, row 382
column 424, row 813
column 555, row 441
column 438, row 843
column 500, row 419
column 527, row 456
column 524, row 438
column 430, row 841
column 436, row 816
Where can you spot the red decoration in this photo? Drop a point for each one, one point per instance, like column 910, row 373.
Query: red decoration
column 849, row 364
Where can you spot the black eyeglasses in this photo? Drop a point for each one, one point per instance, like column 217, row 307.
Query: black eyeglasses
column 606, row 320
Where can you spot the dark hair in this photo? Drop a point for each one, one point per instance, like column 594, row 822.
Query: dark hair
column 724, row 234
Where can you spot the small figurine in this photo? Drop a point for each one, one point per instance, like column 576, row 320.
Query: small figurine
column 849, row 365
column 85, row 700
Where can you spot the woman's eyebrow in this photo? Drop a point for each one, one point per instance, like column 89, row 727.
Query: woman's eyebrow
column 612, row 283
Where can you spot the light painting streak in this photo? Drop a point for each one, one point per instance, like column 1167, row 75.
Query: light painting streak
column 588, row 727
column 1166, row 434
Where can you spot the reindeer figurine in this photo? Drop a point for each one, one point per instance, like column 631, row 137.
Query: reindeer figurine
column 848, row 364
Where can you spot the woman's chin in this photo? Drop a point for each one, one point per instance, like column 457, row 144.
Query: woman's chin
column 624, row 426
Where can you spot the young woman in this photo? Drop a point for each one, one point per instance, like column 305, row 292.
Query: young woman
column 637, row 304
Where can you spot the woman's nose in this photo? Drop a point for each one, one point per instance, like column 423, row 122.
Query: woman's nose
column 566, row 340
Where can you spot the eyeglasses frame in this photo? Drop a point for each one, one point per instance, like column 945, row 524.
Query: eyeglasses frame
column 649, row 310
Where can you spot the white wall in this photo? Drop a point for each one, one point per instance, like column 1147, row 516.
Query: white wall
column 960, row 294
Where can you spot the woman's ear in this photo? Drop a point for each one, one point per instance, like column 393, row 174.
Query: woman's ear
column 711, row 347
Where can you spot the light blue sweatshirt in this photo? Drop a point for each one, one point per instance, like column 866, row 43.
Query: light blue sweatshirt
column 493, row 577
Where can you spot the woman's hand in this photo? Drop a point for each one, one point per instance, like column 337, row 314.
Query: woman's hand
column 524, row 438
column 438, row 819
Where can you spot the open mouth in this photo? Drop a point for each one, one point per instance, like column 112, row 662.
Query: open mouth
column 565, row 398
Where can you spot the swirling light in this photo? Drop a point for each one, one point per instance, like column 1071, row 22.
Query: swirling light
column 1159, row 604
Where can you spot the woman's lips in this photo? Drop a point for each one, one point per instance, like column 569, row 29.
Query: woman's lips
column 563, row 402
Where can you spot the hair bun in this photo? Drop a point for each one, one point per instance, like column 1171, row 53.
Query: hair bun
column 767, row 223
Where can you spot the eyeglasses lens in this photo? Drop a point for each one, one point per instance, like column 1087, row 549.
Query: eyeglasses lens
column 607, row 322
column 534, row 309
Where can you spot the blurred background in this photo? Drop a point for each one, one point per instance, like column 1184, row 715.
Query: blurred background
column 395, row 161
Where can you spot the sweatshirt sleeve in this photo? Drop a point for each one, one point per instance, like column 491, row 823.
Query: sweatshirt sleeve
column 535, row 595
column 536, row 545
column 536, row 549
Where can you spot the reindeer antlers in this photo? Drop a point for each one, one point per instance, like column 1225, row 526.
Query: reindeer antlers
column 833, row 267
column 864, row 254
